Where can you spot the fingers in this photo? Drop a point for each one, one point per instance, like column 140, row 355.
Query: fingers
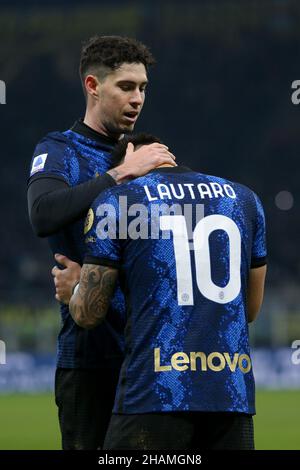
column 155, row 145
column 61, row 299
column 158, row 161
column 148, row 151
column 67, row 263
column 169, row 154
column 63, row 260
column 166, row 160
column 165, row 157
column 158, row 145
column 150, row 148
column 130, row 148
column 162, row 158
column 163, row 152
column 148, row 157
column 54, row 271
column 59, row 295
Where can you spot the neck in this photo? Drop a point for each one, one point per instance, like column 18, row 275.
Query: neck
column 93, row 121
column 94, row 125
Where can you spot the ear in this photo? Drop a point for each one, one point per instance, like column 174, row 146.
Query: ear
column 91, row 84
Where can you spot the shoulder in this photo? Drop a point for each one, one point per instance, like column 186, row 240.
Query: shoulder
column 239, row 188
column 51, row 154
column 117, row 196
column 55, row 138
column 108, row 196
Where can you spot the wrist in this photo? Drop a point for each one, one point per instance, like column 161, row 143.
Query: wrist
column 120, row 173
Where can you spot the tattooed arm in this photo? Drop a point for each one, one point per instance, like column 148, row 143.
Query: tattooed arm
column 89, row 305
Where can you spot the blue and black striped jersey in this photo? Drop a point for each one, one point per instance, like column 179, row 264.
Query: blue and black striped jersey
column 184, row 243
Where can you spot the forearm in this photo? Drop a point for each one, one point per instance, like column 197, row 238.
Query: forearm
column 53, row 205
column 84, row 318
column 89, row 303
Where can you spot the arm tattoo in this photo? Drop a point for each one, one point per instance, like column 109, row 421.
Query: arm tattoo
column 89, row 305
column 120, row 174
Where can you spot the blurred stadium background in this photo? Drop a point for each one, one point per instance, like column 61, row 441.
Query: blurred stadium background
column 220, row 97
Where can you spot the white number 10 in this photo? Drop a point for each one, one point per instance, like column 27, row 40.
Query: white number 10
column 203, row 229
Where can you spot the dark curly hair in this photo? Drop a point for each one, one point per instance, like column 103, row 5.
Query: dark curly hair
column 119, row 151
column 103, row 54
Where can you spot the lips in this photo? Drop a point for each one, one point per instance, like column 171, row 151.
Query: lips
column 131, row 115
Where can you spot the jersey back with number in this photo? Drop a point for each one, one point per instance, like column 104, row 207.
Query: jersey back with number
column 184, row 244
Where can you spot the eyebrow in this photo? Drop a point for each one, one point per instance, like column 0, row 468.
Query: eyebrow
column 132, row 82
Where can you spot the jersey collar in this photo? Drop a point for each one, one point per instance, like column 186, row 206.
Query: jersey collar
column 172, row 169
column 83, row 129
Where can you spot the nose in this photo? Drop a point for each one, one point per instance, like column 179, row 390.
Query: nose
column 137, row 98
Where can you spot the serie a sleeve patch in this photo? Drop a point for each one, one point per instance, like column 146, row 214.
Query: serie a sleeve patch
column 38, row 163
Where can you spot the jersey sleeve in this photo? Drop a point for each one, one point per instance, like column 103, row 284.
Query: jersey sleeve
column 259, row 249
column 51, row 158
column 102, row 232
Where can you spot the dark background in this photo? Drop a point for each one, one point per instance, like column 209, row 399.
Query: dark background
column 219, row 96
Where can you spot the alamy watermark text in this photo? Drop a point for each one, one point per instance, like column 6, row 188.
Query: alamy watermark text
column 2, row 92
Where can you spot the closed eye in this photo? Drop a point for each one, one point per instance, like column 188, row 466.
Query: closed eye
column 131, row 86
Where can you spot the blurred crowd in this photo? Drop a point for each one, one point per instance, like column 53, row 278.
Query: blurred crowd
column 219, row 96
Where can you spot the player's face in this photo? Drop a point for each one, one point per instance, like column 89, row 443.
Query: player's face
column 121, row 97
